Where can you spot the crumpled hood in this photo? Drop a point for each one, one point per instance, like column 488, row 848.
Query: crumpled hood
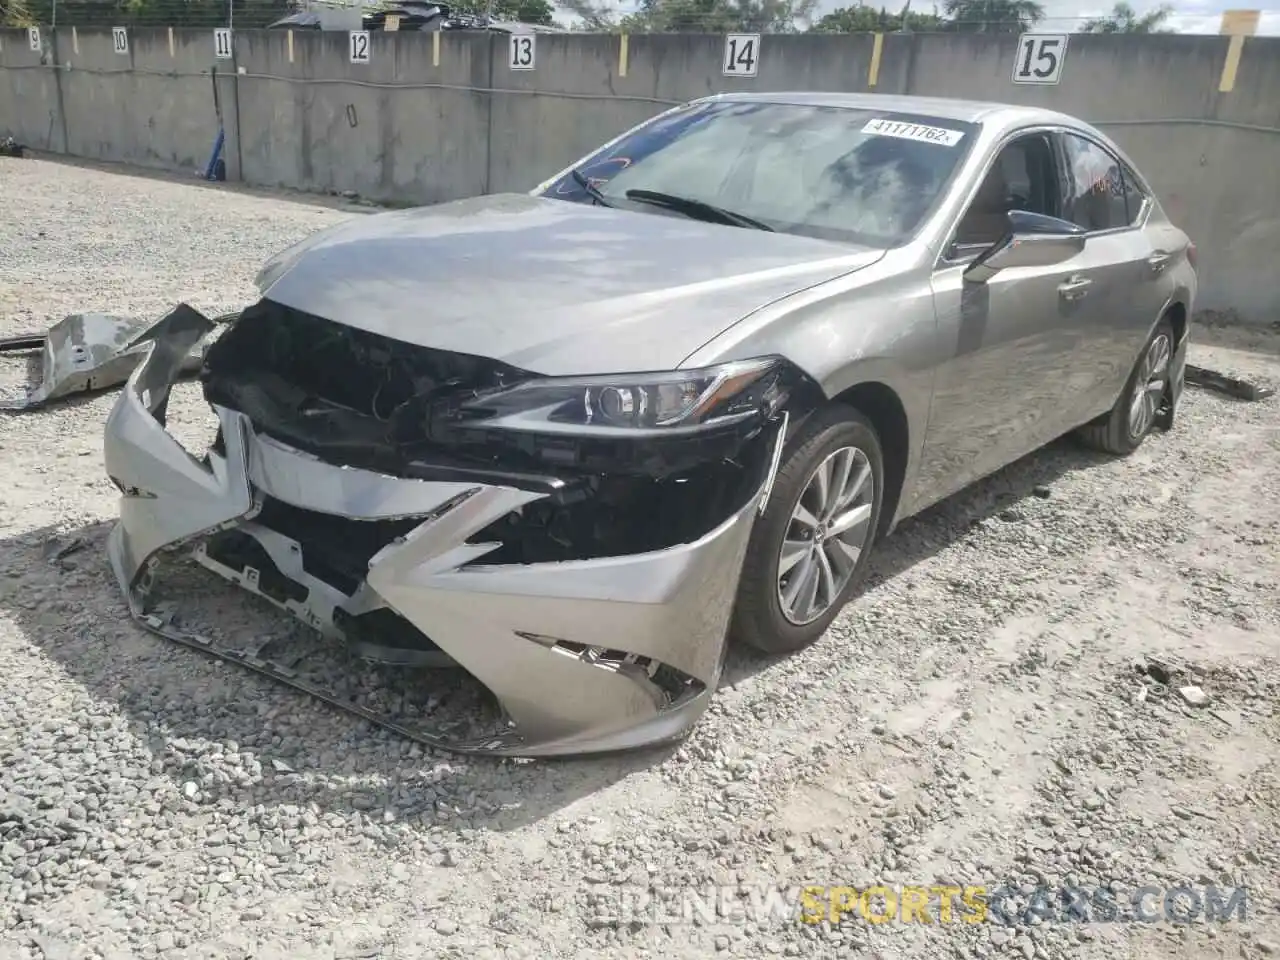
column 548, row 285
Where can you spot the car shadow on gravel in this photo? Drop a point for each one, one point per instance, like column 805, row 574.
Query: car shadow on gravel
column 57, row 587
column 993, row 499
column 206, row 722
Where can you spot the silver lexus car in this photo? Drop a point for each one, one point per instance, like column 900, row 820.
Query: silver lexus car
column 576, row 441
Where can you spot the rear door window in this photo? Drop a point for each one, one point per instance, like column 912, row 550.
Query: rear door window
column 1093, row 186
column 1135, row 197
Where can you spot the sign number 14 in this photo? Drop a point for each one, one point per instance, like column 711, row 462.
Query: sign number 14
column 741, row 54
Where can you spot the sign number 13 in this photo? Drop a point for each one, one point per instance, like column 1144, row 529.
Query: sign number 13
column 523, row 51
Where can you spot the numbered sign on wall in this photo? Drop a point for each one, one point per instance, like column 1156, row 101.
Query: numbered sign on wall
column 359, row 46
column 1040, row 58
column 741, row 54
column 120, row 39
column 523, row 51
column 222, row 43
column 33, row 37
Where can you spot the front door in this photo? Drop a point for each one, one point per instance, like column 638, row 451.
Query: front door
column 999, row 392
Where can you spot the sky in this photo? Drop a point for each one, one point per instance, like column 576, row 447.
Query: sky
column 1202, row 16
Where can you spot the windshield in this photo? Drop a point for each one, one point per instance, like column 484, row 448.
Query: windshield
column 861, row 176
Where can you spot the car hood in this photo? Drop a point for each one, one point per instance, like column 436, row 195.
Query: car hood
column 548, row 285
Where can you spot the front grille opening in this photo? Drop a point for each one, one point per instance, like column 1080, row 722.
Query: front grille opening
column 383, row 636
column 335, row 549
column 239, row 551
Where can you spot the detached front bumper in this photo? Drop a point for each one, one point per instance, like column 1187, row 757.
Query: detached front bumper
column 82, row 353
column 583, row 656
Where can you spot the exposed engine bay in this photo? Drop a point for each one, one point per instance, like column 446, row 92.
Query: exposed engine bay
column 558, row 539
column 358, row 399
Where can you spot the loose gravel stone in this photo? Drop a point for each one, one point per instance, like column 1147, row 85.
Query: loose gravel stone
column 972, row 720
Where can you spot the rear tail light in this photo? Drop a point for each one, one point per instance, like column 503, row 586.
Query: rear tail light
column 1191, row 255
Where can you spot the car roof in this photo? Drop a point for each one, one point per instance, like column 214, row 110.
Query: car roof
column 965, row 111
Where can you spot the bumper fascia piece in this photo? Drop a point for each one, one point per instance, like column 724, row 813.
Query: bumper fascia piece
column 533, row 634
column 83, row 353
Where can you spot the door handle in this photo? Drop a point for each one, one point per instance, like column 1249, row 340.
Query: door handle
column 1073, row 288
column 1158, row 261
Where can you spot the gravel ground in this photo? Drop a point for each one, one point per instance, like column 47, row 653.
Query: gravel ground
column 981, row 716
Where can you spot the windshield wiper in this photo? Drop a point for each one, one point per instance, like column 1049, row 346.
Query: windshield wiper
column 592, row 190
column 697, row 209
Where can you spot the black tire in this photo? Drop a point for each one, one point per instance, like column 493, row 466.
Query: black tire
column 1110, row 432
column 758, row 620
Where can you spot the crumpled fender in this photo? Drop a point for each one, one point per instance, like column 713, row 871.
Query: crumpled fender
column 91, row 351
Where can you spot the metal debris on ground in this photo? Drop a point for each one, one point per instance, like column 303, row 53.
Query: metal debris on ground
column 1231, row 386
column 1229, row 717
column 10, row 147
column 1157, row 670
column 57, row 550
column 1193, row 696
column 82, row 353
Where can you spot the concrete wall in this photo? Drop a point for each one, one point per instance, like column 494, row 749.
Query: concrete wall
column 432, row 118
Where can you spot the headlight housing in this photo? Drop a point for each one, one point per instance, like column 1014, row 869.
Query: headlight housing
column 667, row 402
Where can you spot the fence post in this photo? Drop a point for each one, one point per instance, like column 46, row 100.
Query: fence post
column 489, row 97
column 57, row 80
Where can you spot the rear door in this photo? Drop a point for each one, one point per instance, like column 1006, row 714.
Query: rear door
column 1118, row 272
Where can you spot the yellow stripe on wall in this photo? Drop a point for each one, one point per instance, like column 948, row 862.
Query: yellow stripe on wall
column 873, row 73
column 1237, row 24
column 1234, row 49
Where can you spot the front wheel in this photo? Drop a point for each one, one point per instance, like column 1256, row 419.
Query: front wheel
column 809, row 551
column 1122, row 430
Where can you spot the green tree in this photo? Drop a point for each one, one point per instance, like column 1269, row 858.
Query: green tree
column 248, row 14
column 864, row 19
column 16, row 13
column 698, row 16
column 993, row 16
column 524, row 11
column 1124, row 19
column 593, row 17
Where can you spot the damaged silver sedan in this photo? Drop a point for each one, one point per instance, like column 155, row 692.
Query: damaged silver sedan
column 576, row 440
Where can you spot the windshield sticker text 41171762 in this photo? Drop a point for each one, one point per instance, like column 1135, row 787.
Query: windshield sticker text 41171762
column 913, row 131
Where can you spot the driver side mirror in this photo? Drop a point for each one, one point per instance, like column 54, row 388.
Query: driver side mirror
column 1033, row 240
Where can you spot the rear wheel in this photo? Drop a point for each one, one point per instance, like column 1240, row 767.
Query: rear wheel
column 1122, row 430
column 809, row 551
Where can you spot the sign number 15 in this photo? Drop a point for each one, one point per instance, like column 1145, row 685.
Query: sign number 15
column 1040, row 58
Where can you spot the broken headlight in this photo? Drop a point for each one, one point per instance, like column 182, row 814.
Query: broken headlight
column 678, row 400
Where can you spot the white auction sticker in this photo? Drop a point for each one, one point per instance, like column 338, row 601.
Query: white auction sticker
column 913, row 131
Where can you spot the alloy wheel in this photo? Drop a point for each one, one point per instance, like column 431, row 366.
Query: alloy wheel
column 1149, row 386
column 829, row 528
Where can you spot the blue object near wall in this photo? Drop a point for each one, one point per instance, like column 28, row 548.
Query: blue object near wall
column 216, row 169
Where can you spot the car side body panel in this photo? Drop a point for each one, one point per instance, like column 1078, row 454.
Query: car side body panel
column 827, row 332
